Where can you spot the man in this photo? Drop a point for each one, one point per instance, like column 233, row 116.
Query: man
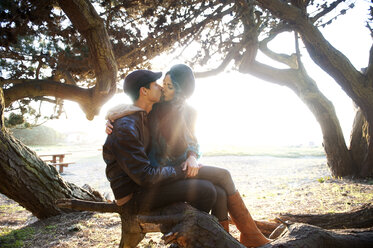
column 128, row 169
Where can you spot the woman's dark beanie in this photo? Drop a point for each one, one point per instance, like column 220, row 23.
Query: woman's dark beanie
column 183, row 76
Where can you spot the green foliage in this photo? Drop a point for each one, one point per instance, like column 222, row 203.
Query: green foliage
column 323, row 179
column 14, row 120
column 50, row 229
column 14, row 238
column 41, row 135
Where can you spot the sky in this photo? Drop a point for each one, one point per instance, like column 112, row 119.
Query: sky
column 238, row 109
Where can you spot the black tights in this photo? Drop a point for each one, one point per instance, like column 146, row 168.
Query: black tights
column 224, row 186
column 199, row 193
column 207, row 191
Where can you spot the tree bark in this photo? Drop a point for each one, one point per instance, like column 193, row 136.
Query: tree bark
column 2, row 107
column 367, row 165
column 29, row 181
column 358, row 139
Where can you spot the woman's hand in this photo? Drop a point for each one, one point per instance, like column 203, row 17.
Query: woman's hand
column 191, row 166
column 109, row 127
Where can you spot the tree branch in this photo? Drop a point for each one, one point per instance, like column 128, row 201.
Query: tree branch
column 85, row 18
column 321, row 51
column 326, row 10
column 282, row 77
column 102, row 207
column 290, row 61
column 37, row 88
column 369, row 70
column 172, row 32
column 230, row 56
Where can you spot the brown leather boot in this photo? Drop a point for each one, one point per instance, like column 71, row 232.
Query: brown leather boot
column 225, row 225
column 250, row 234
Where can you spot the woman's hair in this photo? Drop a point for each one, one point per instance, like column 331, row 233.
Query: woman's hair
column 182, row 78
column 172, row 122
column 172, row 129
column 178, row 91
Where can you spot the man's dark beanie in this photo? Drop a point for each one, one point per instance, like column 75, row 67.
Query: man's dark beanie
column 183, row 76
column 139, row 78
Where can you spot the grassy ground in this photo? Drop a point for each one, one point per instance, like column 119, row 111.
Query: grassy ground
column 269, row 186
column 103, row 230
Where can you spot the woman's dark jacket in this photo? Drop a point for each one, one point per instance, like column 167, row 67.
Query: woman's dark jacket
column 125, row 153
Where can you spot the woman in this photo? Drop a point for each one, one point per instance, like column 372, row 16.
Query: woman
column 171, row 125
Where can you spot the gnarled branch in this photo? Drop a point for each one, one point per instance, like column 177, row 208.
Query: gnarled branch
column 36, row 88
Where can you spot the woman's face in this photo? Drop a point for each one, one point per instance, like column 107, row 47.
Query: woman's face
column 168, row 88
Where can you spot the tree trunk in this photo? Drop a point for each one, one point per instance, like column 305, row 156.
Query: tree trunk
column 357, row 85
column 188, row 227
column 358, row 218
column 338, row 156
column 358, row 140
column 29, row 181
column 297, row 79
column 366, row 169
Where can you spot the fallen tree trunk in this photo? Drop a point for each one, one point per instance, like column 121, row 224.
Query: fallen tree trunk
column 180, row 223
column 188, row 227
column 304, row 235
column 358, row 218
column 266, row 227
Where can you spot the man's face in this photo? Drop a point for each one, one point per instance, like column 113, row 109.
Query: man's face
column 154, row 92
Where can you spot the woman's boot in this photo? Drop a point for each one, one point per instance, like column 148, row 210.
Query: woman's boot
column 225, row 225
column 250, row 236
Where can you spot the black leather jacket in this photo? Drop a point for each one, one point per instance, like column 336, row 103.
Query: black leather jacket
column 127, row 165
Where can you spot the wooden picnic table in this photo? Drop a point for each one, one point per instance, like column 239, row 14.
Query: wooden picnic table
column 57, row 160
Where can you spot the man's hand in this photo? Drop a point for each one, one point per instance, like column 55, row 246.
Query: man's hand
column 109, row 127
column 191, row 166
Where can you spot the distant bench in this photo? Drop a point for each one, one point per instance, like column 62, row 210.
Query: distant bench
column 57, row 160
column 61, row 165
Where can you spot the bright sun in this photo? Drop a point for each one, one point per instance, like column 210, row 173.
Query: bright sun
column 239, row 109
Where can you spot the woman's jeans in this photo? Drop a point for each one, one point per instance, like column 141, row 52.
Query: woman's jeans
column 199, row 193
